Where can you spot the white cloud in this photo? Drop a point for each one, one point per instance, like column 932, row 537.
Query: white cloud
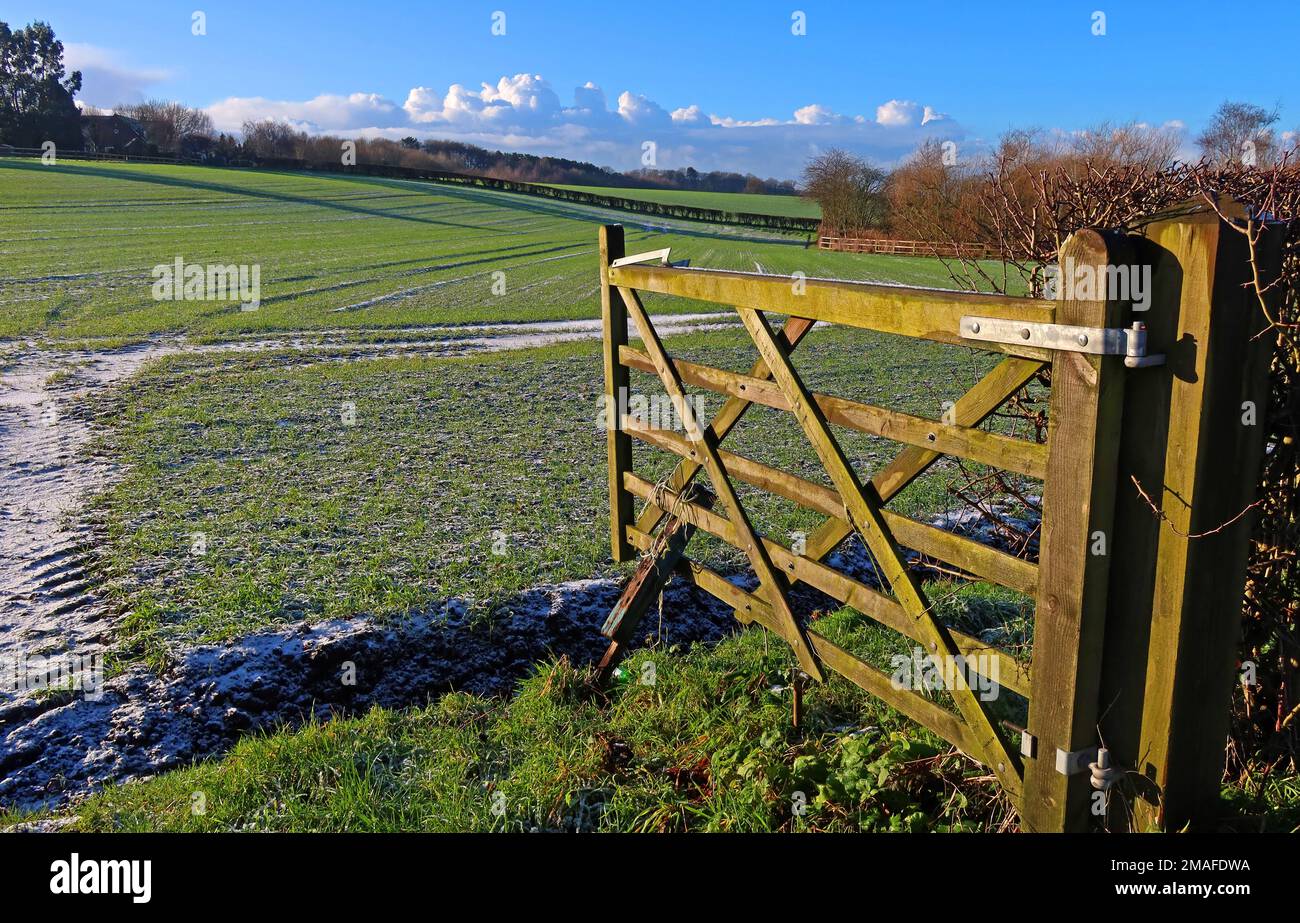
column 638, row 110
column 729, row 122
column 524, row 93
column 897, row 112
column 814, row 115
column 424, row 105
column 106, row 80
column 327, row 112
column 523, row 112
column 932, row 116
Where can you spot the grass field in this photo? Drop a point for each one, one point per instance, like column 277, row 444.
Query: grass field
column 786, row 206
column 308, row 517
column 468, row 479
column 78, row 243
column 707, row 746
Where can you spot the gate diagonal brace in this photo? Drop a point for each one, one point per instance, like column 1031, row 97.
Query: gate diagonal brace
column 646, row 584
column 706, row 442
column 862, row 504
column 723, row 422
column 971, row 409
column 1129, row 342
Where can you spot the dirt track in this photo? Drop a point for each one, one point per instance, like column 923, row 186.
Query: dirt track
column 49, row 605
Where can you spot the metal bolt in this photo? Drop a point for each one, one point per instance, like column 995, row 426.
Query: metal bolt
column 1083, row 339
column 1025, row 334
column 974, row 328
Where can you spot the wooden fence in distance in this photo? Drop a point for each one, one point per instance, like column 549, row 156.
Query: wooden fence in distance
column 947, row 251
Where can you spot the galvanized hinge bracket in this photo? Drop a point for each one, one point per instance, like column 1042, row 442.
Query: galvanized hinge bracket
column 1129, row 342
column 1073, row 762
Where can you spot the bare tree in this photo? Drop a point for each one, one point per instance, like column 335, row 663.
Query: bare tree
column 1133, row 144
column 270, row 138
column 933, row 196
column 1240, row 133
column 168, row 124
column 849, row 190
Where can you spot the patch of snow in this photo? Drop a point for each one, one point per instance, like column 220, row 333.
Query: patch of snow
column 142, row 723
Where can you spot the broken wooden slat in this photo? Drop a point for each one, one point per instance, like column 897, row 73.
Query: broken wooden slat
column 646, row 584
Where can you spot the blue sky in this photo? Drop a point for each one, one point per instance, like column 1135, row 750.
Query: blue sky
column 714, row 85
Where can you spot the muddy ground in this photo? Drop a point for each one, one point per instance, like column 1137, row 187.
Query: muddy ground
column 55, row 746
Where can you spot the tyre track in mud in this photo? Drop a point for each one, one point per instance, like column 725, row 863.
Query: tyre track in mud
column 56, row 746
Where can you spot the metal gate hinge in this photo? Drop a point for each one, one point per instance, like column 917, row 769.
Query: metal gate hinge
column 1073, row 762
column 1129, row 342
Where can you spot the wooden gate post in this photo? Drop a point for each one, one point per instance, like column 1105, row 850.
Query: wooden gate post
column 1195, row 446
column 613, row 313
column 1075, row 548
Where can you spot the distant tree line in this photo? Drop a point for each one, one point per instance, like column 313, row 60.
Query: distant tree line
column 939, row 193
column 272, row 138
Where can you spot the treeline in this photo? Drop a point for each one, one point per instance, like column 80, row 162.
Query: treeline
column 36, row 93
column 271, row 138
column 942, row 194
column 540, row 190
column 172, row 129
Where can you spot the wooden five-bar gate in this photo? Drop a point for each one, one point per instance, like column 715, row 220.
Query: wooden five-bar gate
column 1136, row 610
